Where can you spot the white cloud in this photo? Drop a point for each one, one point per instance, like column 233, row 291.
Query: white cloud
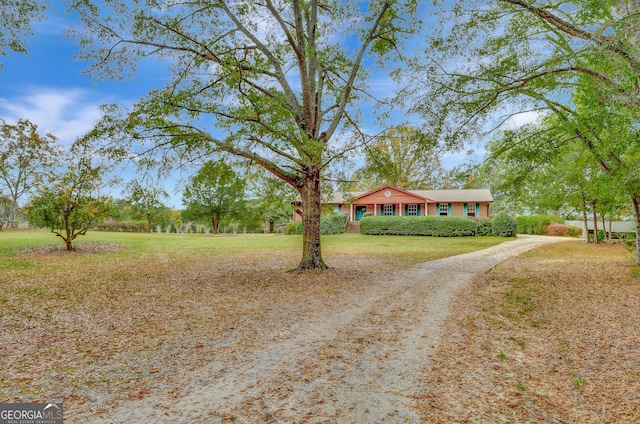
column 523, row 118
column 65, row 113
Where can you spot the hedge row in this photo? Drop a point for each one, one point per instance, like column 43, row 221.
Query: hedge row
column 438, row 226
column 126, row 226
column 330, row 224
column 536, row 224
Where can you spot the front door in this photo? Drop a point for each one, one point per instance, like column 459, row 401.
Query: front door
column 360, row 210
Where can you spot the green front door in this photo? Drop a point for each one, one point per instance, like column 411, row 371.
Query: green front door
column 360, row 210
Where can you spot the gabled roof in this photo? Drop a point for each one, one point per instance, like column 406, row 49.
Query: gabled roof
column 439, row 196
column 412, row 193
column 465, row 195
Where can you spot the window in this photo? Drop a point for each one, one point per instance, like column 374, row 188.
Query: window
column 412, row 210
column 444, row 209
column 471, row 209
column 387, row 210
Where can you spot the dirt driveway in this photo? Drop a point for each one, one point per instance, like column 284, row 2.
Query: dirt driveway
column 357, row 361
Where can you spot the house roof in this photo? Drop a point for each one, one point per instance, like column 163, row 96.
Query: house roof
column 466, row 195
column 439, row 196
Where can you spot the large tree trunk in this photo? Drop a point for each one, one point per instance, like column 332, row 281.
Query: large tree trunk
column 636, row 214
column 311, row 209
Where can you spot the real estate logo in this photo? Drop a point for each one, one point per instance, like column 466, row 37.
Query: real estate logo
column 31, row 413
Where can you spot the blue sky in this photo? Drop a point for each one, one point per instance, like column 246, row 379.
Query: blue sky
column 48, row 88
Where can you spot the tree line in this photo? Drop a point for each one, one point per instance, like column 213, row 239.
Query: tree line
column 62, row 190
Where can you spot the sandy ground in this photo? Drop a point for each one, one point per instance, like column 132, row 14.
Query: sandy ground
column 358, row 360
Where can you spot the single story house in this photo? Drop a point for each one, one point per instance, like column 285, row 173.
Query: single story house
column 392, row 201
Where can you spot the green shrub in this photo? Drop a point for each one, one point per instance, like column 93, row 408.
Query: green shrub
column 436, row 226
column 291, row 227
column 624, row 236
column 536, row 224
column 504, row 225
column 483, row 227
column 330, row 224
column 333, row 224
column 128, row 226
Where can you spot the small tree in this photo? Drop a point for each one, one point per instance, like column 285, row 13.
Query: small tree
column 69, row 206
column 214, row 192
column 146, row 201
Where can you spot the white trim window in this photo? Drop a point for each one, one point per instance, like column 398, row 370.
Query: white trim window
column 412, row 210
column 443, row 209
column 387, row 210
column 471, row 209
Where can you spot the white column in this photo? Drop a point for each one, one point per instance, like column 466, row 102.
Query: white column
column 375, row 209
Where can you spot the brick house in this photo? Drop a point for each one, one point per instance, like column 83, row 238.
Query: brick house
column 392, row 201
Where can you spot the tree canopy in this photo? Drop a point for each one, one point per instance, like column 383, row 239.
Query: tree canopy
column 26, row 157
column 16, row 18
column 214, row 192
column 278, row 83
column 285, row 84
column 578, row 61
column 404, row 158
column 146, row 198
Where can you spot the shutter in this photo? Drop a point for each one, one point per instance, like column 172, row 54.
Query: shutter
column 449, row 209
column 477, row 210
column 465, row 209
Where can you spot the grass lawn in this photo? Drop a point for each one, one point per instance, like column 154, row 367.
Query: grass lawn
column 29, row 249
column 128, row 310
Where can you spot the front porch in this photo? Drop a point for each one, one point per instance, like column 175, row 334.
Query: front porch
column 358, row 210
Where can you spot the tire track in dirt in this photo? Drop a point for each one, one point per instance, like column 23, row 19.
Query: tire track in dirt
column 356, row 362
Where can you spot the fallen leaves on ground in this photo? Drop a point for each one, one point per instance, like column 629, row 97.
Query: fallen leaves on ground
column 102, row 332
column 551, row 336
